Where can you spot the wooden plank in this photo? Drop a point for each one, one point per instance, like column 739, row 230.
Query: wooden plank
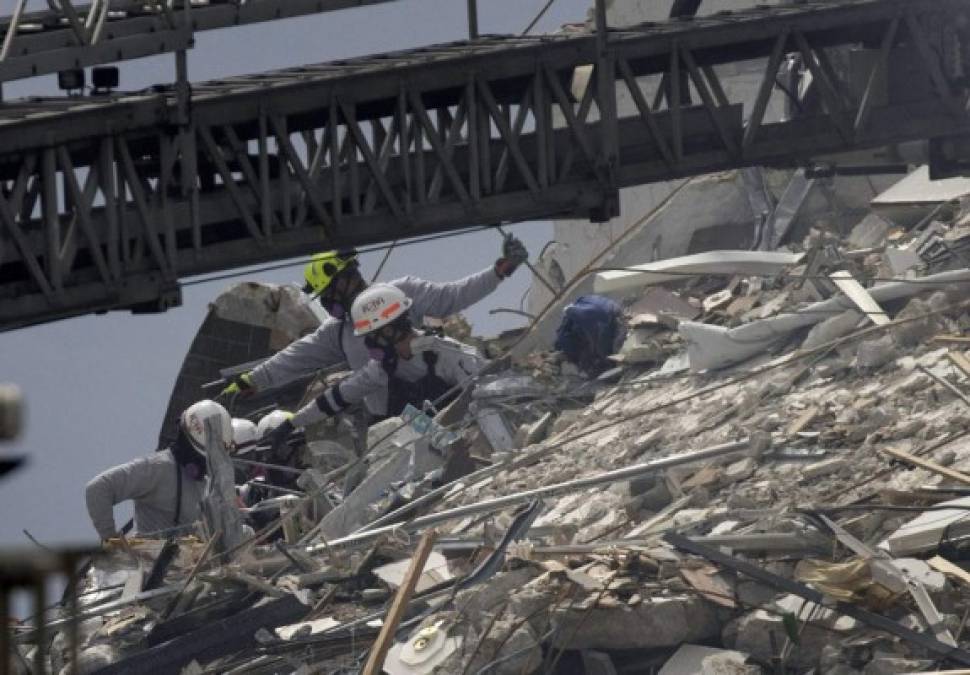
column 960, row 361
column 933, row 467
column 803, row 420
column 375, row 660
column 955, row 339
column 946, row 567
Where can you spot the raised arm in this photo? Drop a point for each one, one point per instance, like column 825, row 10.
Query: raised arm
column 126, row 481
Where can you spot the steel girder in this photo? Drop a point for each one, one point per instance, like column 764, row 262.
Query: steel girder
column 107, row 203
column 107, row 31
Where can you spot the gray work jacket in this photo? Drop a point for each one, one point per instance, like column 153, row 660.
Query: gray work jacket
column 334, row 341
column 151, row 482
column 456, row 364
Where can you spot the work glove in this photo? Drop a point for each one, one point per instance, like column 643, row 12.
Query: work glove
column 241, row 385
column 278, row 437
column 513, row 255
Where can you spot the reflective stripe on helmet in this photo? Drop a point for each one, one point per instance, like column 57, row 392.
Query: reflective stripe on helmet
column 389, row 311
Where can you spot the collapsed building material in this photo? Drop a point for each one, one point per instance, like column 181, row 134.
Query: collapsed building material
column 894, row 576
column 926, row 531
column 871, row 619
column 212, row 641
column 498, row 503
column 910, row 198
column 711, row 262
column 713, row 347
column 933, row 467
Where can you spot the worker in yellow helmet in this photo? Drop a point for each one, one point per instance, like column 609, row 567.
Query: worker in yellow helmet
column 334, row 278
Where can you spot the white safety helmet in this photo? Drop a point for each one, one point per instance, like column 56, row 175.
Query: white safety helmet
column 270, row 421
column 377, row 306
column 194, row 419
column 244, row 432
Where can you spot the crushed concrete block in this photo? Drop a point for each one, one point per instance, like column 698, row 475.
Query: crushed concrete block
column 933, row 581
column 918, row 331
column 925, row 532
column 698, row 660
column 537, row 431
column 874, row 354
column 901, row 259
column 639, row 347
column 435, row 572
column 657, row 622
column 832, row 328
column 752, row 632
column 823, row 468
column 870, row 231
column 509, row 648
column 739, row 470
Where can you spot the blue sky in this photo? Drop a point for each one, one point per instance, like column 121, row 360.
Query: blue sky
column 96, row 387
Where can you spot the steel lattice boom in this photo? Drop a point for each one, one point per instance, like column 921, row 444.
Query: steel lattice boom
column 106, row 31
column 106, row 203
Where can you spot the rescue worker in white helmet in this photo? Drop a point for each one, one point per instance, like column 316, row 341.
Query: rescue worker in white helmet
column 334, row 277
column 166, row 486
column 244, row 434
column 406, row 366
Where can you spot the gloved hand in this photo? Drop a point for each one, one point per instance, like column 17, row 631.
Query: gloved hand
column 513, row 255
column 241, row 385
column 278, row 437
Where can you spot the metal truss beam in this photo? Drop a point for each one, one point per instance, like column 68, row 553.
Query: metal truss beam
column 107, row 203
column 107, row 31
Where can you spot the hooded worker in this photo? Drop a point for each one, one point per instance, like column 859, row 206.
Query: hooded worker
column 406, row 366
column 166, row 486
column 334, row 277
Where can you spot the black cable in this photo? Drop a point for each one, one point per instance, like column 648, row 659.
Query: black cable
column 536, row 18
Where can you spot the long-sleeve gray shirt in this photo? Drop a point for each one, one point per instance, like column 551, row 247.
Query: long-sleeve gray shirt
column 334, row 341
column 152, row 483
column 456, row 364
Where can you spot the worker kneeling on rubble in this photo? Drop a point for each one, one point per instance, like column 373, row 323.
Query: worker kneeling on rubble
column 334, row 277
column 406, row 366
column 166, row 486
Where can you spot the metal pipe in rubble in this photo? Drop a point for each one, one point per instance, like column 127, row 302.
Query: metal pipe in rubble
column 539, row 493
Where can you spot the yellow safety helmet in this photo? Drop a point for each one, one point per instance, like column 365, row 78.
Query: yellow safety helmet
column 324, row 267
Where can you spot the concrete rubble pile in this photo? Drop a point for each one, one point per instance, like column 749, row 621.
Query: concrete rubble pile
column 773, row 477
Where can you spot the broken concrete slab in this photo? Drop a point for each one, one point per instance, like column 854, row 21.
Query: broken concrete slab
column 910, row 198
column 833, row 328
column 711, row 262
column 712, row 347
column 658, row 622
column 868, row 232
column 435, row 572
column 925, row 532
column 639, row 347
column 660, row 301
column 823, row 468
